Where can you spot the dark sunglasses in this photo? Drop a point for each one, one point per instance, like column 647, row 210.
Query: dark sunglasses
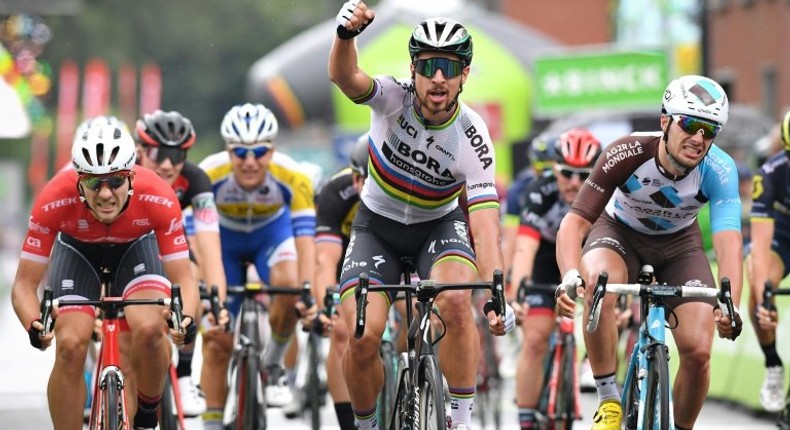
column 161, row 153
column 243, row 151
column 113, row 180
column 427, row 67
column 692, row 126
column 569, row 172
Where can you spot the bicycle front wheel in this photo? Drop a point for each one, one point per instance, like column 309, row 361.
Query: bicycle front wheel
column 168, row 415
column 431, row 392
column 401, row 417
column 630, row 397
column 113, row 410
column 657, row 401
column 313, row 388
column 386, row 399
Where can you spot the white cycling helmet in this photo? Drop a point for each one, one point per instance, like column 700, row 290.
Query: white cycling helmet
column 442, row 35
column 697, row 96
column 249, row 124
column 99, row 121
column 103, row 149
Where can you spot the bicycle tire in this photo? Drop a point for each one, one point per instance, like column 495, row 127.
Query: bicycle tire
column 254, row 404
column 657, row 399
column 630, row 396
column 566, row 394
column 313, row 390
column 113, row 413
column 431, row 395
column 168, row 417
column 386, row 399
column 401, row 418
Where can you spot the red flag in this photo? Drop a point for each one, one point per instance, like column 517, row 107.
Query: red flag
column 127, row 93
column 96, row 89
column 150, row 88
column 68, row 95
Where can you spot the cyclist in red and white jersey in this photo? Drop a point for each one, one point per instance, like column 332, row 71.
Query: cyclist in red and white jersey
column 547, row 199
column 104, row 213
column 163, row 140
column 425, row 148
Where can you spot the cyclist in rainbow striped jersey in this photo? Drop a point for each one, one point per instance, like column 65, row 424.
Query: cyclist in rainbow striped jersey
column 425, row 148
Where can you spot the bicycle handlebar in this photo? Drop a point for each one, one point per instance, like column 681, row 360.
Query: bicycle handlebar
column 176, row 308
column 654, row 290
column 425, row 291
column 255, row 289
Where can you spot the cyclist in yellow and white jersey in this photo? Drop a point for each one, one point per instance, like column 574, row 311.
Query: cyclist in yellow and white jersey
column 267, row 220
column 426, row 147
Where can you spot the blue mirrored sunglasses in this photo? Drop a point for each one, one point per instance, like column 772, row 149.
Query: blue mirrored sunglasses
column 427, row 67
column 692, row 125
column 244, row 151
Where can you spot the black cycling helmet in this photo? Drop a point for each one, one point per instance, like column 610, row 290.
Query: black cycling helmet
column 165, row 129
column 442, row 35
column 358, row 159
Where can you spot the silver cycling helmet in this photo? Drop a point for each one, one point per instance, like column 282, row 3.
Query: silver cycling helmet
column 697, row 96
column 103, row 149
column 249, row 124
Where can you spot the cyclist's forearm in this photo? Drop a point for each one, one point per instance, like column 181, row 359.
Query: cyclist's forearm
column 523, row 262
column 761, row 234
column 344, row 70
column 570, row 236
column 328, row 255
column 728, row 245
column 211, row 267
column 305, row 251
column 23, row 292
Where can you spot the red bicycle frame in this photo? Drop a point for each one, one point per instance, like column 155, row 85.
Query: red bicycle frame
column 565, row 328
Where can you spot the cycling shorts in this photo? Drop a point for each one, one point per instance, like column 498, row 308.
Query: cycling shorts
column 75, row 265
column 545, row 271
column 677, row 258
column 262, row 248
column 378, row 244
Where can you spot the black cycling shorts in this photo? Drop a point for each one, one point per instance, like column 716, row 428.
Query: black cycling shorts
column 377, row 245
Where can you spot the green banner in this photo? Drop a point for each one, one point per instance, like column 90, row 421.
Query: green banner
column 601, row 80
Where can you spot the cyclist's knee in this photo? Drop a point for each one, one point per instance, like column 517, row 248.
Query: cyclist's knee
column 71, row 349
column 339, row 336
column 148, row 336
column 364, row 349
column 455, row 309
column 697, row 357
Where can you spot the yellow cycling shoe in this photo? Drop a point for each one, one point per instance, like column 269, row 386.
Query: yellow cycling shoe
column 609, row 416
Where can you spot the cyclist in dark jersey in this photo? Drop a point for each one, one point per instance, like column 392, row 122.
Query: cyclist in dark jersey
column 639, row 206
column 87, row 218
column 336, row 207
column 163, row 140
column 546, row 201
column 768, row 259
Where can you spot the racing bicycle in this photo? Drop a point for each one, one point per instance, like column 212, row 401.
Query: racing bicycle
column 559, row 403
column 419, row 400
column 769, row 294
column 108, row 409
column 245, row 407
column 647, row 393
